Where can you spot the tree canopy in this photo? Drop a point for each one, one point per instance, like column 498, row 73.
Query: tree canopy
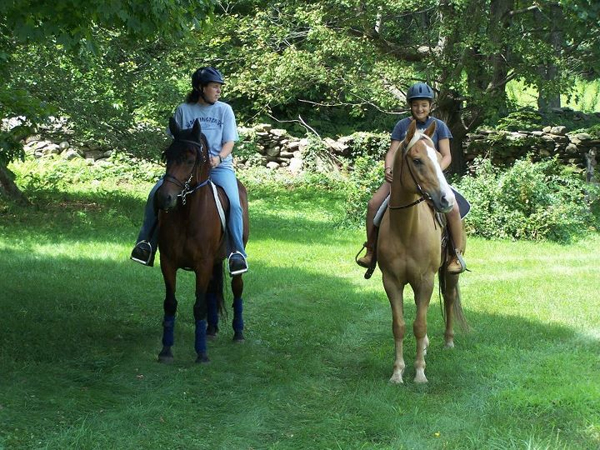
column 338, row 66
column 66, row 39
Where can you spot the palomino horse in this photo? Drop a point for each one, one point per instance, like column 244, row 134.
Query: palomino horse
column 192, row 237
column 410, row 245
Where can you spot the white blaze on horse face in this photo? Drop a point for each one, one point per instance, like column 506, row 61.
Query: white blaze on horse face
column 444, row 186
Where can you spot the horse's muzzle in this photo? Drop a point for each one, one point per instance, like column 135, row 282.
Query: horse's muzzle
column 443, row 202
column 166, row 200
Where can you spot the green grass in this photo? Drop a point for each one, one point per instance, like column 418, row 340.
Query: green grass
column 81, row 332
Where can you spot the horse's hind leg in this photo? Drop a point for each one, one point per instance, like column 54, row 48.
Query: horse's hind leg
column 453, row 311
column 170, row 309
column 214, row 298
column 237, row 286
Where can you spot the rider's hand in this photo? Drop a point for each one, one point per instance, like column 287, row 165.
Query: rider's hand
column 214, row 161
column 388, row 174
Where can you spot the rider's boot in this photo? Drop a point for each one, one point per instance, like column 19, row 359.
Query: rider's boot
column 457, row 263
column 367, row 260
column 237, row 263
column 143, row 253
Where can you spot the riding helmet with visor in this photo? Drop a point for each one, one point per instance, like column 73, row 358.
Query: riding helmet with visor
column 419, row 91
column 205, row 75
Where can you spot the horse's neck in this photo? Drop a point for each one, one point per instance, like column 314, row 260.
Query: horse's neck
column 404, row 218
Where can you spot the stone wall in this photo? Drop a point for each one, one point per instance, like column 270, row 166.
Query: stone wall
column 504, row 147
column 276, row 149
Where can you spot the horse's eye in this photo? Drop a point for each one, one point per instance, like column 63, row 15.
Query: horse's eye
column 417, row 162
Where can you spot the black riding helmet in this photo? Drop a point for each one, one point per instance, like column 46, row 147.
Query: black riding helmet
column 205, row 75
column 419, row 90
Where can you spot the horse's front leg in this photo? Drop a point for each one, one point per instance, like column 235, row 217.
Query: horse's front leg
column 201, row 313
column 423, row 293
column 395, row 293
column 170, row 309
column 237, row 286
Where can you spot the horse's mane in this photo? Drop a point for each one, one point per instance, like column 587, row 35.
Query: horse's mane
column 180, row 146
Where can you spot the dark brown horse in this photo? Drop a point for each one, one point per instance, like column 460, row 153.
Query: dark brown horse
column 192, row 237
column 410, row 247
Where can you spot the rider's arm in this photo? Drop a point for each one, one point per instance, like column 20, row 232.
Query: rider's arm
column 444, row 149
column 389, row 159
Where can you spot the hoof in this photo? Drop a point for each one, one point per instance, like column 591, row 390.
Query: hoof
column 211, row 331
column 420, row 377
column 238, row 336
column 202, row 359
column 165, row 356
column 396, row 379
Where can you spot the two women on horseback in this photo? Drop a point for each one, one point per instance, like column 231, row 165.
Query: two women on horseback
column 420, row 98
column 220, row 129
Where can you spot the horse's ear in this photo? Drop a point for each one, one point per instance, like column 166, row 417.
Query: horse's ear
column 411, row 131
column 174, row 127
column 197, row 131
column 431, row 129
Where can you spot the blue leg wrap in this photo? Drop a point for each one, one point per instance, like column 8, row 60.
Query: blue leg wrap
column 213, row 313
column 238, row 308
column 168, row 331
column 200, row 337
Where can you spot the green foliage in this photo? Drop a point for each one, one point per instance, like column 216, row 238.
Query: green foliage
column 50, row 54
column 364, row 180
column 526, row 119
column 373, row 145
column 530, row 200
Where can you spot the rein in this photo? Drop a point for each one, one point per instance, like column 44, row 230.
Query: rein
column 424, row 196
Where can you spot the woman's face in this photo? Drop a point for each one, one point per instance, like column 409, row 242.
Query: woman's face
column 420, row 109
column 212, row 92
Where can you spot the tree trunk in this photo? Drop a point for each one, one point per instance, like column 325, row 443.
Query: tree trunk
column 9, row 189
column 549, row 99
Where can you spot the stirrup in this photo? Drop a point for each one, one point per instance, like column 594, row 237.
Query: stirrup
column 143, row 253
column 239, row 270
column 356, row 258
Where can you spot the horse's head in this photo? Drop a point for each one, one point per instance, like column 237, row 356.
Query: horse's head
column 187, row 165
column 423, row 170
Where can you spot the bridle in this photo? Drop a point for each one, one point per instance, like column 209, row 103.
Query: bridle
column 185, row 186
column 424, row 195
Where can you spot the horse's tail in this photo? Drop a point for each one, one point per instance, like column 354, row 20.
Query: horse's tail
column 457, row 309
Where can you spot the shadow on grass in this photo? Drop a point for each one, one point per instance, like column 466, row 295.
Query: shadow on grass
column 81, row 319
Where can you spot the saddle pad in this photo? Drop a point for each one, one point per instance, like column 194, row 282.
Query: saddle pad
column 463, row 204
column 219, row 206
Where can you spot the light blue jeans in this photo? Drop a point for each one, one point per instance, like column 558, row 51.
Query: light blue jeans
column 223, row 177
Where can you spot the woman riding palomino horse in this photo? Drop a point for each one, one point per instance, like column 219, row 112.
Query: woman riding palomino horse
column 409, row 247
column 192, row 236
column 219, row 126
column 420, row 97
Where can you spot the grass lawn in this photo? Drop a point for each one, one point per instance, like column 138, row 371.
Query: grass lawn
column 81, row 331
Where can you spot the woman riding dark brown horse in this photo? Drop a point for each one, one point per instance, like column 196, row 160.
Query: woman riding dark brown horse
column 192, row 237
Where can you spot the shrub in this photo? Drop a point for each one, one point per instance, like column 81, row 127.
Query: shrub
column 366, row 177
column 530, row 200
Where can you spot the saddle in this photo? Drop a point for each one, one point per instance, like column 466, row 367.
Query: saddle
column 440, row 218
